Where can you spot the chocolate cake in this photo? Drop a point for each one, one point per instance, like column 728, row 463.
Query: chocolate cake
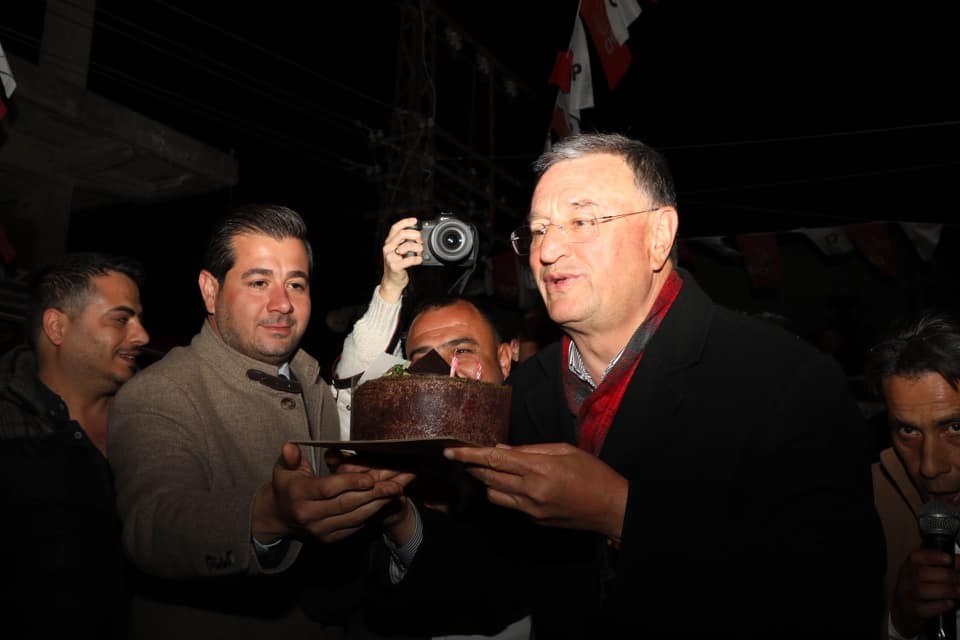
column 406, row 406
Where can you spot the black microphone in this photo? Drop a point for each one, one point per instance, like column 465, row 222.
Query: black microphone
column 939, row 523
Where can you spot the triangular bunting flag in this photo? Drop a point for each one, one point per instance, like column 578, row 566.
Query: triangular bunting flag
column 873, row 241
column 925, row 237
column 716, row 244
column 762, row 259
column 831, row 241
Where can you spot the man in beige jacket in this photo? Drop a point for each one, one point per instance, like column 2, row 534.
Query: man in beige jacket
column 193, row 441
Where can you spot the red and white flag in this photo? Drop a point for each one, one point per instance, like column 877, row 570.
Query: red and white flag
column 6, row 81
column 614, row 56
column 581, row 80
column 622, row 13
column 566, row 112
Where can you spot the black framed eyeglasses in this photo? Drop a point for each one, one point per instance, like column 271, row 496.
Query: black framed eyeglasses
column 577, row 230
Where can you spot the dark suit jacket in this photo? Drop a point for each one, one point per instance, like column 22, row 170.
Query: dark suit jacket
column 750, row 509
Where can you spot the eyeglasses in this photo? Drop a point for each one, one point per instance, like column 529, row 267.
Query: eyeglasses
column 577, row 230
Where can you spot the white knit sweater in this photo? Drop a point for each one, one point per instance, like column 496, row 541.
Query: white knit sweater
column 369, row 338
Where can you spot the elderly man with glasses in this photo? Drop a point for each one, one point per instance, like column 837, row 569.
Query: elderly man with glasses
column 676, row 468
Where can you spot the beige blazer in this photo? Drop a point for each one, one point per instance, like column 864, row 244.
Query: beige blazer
column 191, row 438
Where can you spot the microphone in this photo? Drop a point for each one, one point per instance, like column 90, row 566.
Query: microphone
column 939, row 524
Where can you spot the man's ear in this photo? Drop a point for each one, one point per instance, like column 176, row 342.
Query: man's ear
column 664, row 232
column 505, row 358
column 209, row 288
column 54, row 323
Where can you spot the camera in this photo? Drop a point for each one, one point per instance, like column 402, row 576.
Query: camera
column 448, row 241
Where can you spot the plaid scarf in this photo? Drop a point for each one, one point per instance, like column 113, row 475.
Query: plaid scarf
column 595, row 408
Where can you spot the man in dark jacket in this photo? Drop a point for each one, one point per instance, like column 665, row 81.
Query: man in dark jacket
column 64, row 565
column 682, row 470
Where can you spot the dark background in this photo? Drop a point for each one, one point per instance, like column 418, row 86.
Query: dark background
column 773, row 115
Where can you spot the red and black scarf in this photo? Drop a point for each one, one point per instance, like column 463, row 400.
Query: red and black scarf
column 595, row 408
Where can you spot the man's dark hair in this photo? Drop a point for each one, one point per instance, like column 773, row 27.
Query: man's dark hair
column 275, row 221
column 926, row 343
column 66, row 284
column 442, row 302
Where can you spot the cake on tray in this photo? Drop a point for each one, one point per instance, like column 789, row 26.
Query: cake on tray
column 412, row 405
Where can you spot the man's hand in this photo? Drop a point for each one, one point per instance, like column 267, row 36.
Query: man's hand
column 397, row 517
column 556, row 484
column 328, row 508
column 401, row 240
column 928, row 585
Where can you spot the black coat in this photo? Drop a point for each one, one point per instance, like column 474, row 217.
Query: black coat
column 750, row 509
column 64, row 569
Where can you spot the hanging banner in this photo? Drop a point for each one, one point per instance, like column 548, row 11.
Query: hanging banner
column 615, row 57
column 566, row 111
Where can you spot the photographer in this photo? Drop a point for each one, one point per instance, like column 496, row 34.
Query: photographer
column 372, row 333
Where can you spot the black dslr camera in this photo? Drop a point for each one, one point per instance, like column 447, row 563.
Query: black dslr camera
column 448, row 241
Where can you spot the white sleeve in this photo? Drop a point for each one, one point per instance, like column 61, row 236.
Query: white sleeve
column 370, row 336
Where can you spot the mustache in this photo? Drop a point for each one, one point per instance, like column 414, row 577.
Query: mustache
column 285, row 321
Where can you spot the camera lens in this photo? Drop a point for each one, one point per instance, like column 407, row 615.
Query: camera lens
column 451, row 240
